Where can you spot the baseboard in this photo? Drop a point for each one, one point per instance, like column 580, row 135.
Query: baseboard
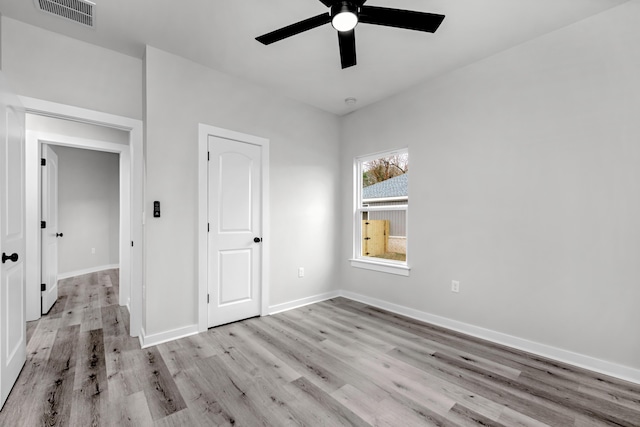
column 608, row 368
column 87, row 271
column 273, row 309
column 162, row 337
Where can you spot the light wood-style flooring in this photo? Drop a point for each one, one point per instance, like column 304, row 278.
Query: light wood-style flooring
column 333, row 363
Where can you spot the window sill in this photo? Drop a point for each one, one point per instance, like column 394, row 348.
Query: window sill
column 384, row 267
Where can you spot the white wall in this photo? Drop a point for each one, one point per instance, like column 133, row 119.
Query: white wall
column 524, row 187
column 88, row 209
column 304, row 148
column 46, row 65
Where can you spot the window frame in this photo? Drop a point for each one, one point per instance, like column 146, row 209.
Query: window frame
column 358, row 260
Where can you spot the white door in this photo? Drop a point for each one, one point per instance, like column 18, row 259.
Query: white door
column 13, row 325
column 50, row 234
column 235, row 227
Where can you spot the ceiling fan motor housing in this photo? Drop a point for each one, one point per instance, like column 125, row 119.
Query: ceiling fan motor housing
column 344, row 6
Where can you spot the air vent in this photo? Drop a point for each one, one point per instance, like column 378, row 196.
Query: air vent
column 79, row 11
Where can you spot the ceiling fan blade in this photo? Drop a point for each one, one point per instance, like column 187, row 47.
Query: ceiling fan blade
column 409, row 19
column 347, row 41
column 293, row 29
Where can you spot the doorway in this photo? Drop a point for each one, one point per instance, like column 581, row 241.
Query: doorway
column 233, row 221
column 80, row 214
column 131, row 197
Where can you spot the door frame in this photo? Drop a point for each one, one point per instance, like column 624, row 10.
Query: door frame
column 204, row 131
column 131, row 172
column 35, row 140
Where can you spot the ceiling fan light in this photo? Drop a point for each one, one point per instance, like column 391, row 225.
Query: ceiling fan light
column 344, row 21
column 345, row 16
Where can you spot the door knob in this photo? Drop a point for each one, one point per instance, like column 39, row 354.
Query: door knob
column 257, row 239
column 13, row 257
column 59, row 234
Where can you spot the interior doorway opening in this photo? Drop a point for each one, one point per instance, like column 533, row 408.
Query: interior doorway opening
column 129, row 149
column 80, row 222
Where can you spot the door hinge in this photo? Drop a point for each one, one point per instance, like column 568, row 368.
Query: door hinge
column 43, row 287
column 207, row 227
column 208, row 156
column 207, row 298
column 43, row 162
column 132, row 243
column 43, row 224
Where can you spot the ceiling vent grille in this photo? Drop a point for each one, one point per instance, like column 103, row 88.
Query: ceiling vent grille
column 79, row 11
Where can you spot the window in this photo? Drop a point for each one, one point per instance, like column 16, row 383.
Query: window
column 381, row 205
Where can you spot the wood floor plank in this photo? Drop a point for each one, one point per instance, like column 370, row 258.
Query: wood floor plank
column 129, row 411
column 271, row 367
column 124, row 374
column 163, row 396
column 335, row 362
column 107, row 296
column 91, row 319
column 403, row 339
column 464, row 416
column 324, row 408
column 512, row 418
column 91, row 394
column 60, row 375
column 230, row 392
column 201, row 399
column 299, row 358
column 503, row 390
column 619, row 396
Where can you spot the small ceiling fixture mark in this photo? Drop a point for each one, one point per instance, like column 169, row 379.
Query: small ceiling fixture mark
column 350, row 101
column 80, row 11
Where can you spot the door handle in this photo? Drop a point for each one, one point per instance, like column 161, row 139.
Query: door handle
column 13, row 257
column 257, row 239
column 59, row 234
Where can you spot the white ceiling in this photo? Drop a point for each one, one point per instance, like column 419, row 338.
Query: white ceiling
column 221, row 34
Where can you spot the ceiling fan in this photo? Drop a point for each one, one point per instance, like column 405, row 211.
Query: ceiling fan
column 345, row 15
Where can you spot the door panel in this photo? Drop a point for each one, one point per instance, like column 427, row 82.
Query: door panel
column 15, row 294
column 236, row 213
column 235, row 195
column 12, row 241
column 50, row 233
column 235, row 276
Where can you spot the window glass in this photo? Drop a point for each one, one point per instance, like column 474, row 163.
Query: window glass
column 382, row 201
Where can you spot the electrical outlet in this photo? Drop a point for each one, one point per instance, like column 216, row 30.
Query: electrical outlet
column 301, row 272
column 455, row 286
column 93, row 250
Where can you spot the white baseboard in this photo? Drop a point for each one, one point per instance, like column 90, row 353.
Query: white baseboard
column 608, row 368
column 87, row 271
column 162, row 337
column 273, row 309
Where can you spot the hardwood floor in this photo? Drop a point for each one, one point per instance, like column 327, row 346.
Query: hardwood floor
column 333, row 363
